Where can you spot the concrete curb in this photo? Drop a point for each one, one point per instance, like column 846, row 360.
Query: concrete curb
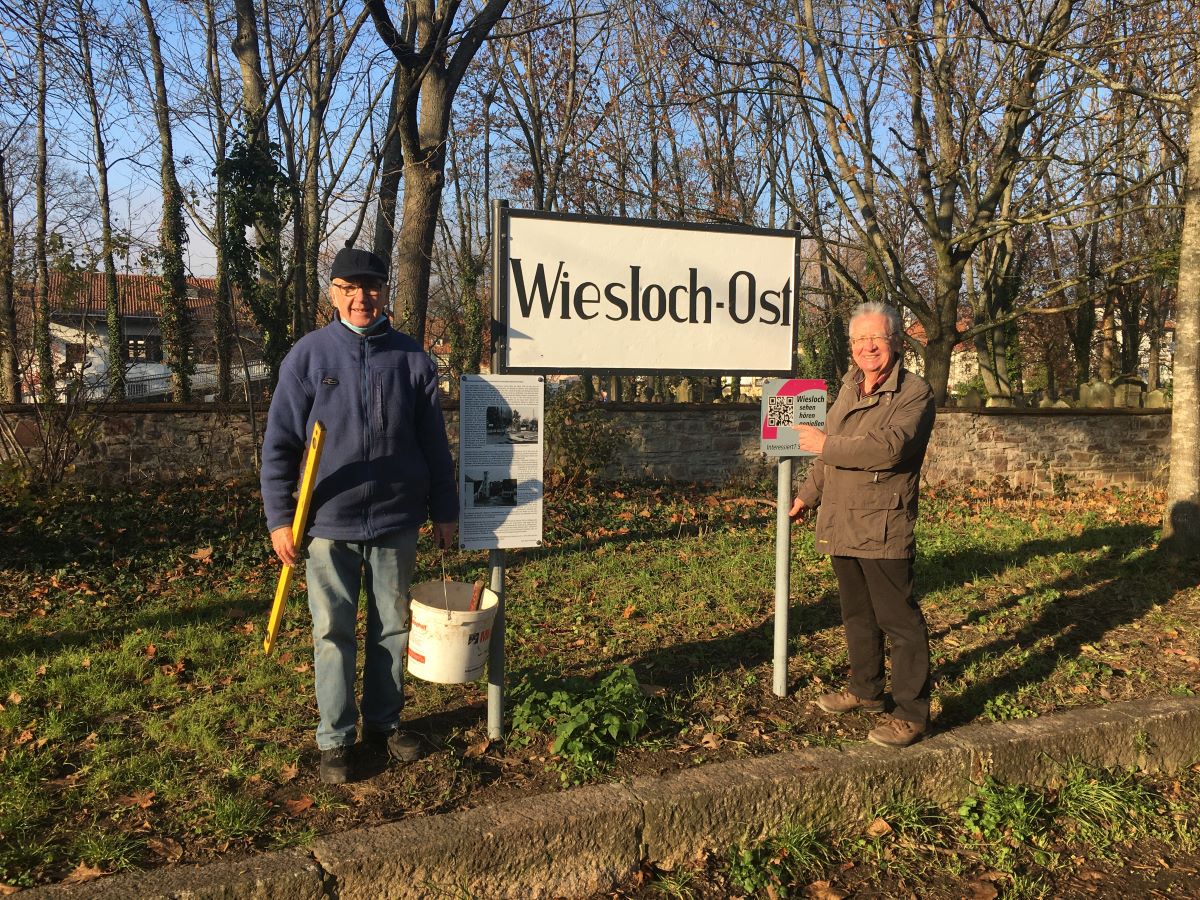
column 581, row 842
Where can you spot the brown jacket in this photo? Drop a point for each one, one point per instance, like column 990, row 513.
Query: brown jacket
column 864, row 484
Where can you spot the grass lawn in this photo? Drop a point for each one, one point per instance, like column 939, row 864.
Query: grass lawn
column 141, row 725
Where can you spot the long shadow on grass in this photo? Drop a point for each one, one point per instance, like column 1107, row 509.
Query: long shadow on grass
column 947, row 570
column 672, row 664
column 1113, row 590
column 232, row 611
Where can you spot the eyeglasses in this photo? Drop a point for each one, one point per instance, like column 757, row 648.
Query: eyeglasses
column 374, row 289
column 872, row 338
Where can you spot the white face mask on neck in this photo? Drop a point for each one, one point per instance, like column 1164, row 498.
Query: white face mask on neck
column 357, row 330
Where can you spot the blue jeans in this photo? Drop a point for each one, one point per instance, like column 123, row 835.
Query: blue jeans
column 337, row 571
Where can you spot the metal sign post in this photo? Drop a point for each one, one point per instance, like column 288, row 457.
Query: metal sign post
column 495, row 701
column 786, row 402
column 783, row 571
column 496, row 557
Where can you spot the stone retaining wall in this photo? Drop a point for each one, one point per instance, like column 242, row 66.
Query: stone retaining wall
column 1048, row 449
column 1051, row 448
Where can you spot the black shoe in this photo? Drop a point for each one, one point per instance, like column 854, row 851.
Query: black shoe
column 399, row 745
column 335, row 765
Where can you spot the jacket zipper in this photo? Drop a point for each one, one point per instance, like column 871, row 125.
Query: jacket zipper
column 366, row 421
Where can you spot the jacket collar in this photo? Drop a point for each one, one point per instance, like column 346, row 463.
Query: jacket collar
column 891, row 384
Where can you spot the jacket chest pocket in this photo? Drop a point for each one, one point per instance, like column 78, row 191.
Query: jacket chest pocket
column 390, row 405
column 376, row 398
column 870, row 510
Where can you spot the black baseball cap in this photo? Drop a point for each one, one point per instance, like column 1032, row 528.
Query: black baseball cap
column 354, row 263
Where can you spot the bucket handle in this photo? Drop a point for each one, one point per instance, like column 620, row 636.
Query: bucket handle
column 445, row 591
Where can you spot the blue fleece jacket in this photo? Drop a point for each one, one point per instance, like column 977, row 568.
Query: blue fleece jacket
column 386, row 462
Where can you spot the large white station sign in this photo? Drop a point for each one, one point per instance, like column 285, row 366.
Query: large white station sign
column 617, row 295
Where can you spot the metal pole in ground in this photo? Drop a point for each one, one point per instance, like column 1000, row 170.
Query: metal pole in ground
column 496, row 650
column 783, row 571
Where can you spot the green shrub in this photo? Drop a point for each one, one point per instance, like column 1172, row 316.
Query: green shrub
column 774, row 865
column 590, row 720
column 581, row 439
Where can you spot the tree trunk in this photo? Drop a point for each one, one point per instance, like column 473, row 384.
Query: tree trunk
column 391, row 165
column 47, row 392
column 223, row 310
column 942, row 333
column 257, row 271
column 245, row 48
column 430, row 82
column 423, row 180
column 10, row 378
column 1153, row 361
column 115, row 371
column 991, row 349
column 176, row 324
column 1181, row 518
column 1108, row 341
column 937, row 366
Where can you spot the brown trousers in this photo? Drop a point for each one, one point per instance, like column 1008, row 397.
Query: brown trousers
column 877, row 600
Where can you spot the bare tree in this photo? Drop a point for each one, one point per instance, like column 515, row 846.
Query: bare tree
column 918, row 132
column 430, row 69
column 176, row 320
column 1149, row 50
column 41, row 283
column 86, row 21
column 10, row 381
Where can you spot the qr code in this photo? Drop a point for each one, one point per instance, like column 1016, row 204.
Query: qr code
column 781, row 411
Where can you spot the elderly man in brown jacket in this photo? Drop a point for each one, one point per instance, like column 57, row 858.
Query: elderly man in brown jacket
column 863, row 484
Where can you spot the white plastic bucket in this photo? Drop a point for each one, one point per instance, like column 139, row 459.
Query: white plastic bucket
column 448, row 642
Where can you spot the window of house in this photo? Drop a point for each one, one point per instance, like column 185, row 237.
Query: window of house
column 143, row 348
column 76, row 353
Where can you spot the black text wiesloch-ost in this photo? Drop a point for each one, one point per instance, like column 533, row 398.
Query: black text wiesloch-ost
column 633, row 301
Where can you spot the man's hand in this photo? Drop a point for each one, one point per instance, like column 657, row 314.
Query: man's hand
column 285, row 547
column 798, row 510
column 443, row 534
column 811, row 440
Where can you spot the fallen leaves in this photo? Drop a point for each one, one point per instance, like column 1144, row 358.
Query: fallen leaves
column 476, row 750
column 138, row 799
column 879, row 828
column 167, row 848
column 298, row 805
column 27, row 737
column 823, row 890
column 84, row 873
column 982, row 890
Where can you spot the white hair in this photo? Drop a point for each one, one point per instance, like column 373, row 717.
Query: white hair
column 876, row 308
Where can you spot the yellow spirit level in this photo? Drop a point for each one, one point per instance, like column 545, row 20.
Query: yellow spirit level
column 299, row 521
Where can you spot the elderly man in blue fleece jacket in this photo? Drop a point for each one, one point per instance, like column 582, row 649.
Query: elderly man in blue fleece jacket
column 385, row 470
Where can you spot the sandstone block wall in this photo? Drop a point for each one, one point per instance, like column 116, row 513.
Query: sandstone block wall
column 1051, row 449
column 1045, row 449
